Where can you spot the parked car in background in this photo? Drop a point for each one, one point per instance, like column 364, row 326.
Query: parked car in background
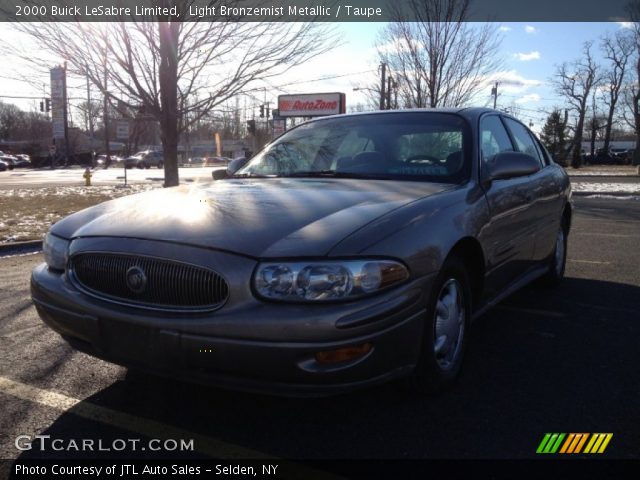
column 15, row 162
column 217, row 161
column 101, row 160
column 145, row 159
column 195, row 162
column 352, row 250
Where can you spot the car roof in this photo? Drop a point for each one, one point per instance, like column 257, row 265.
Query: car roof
column 470, row 113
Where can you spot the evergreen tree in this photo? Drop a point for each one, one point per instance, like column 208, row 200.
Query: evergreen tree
column 554, row 136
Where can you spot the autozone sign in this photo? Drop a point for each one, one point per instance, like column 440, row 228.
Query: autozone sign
column 311, row 104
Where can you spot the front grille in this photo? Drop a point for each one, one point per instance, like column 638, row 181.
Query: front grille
column 148, row 282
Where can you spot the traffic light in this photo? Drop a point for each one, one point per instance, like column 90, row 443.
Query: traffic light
column 267, row 110
column 47, row 102
column 42, row 106
column 251, row 126
column 262, row 111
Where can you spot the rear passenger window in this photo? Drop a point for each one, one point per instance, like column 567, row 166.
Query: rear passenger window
column 523, row 139
column 493, row 137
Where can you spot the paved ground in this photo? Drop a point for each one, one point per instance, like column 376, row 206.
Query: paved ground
column 564, row 360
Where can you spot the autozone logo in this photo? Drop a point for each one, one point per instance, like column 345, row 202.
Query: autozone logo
column 311, row 104
column 316, row 105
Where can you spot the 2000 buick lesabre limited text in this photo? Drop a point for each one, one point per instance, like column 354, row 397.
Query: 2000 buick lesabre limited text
column 353, row 250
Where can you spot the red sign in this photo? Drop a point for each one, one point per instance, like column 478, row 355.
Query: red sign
column 311, row 104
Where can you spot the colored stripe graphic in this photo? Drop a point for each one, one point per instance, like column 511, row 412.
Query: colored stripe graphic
column 597, row 443
column 550, row 443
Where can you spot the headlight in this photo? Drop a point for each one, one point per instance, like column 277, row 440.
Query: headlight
column 55, row 251
column 332, row 280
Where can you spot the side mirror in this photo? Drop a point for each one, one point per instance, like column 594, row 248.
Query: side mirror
column 219, row 174
column 232, row 167
column 511, row 165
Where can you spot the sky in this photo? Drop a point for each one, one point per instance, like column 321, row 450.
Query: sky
column 530, row 51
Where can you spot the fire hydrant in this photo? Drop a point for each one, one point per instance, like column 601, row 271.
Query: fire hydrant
column 87, row 177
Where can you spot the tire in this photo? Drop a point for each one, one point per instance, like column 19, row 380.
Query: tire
column 141, row 165
column 440, row 360
column 160, row 165
column 558, row 260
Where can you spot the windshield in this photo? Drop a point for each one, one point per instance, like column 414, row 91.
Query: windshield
column 412, row 145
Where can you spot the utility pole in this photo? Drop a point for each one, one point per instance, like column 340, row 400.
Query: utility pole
column 494, row 92
column 395, row 94
column 90, row 116
column 383, row 74
column 107, row 151
column 390, row 83
column 65, row 111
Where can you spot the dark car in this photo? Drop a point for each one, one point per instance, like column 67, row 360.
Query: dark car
column 145, row 159
column 10, row 161
column 352, row 250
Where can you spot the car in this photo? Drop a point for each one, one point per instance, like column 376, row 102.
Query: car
column 216, row 161
column 3, row 166
column 145, row 159
column 15, row 162
column 195, row 162
column 353, row 250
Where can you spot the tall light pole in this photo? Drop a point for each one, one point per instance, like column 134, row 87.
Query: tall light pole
column 383, row 74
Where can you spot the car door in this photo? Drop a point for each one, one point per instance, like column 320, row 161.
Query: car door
column 508, row 238
column 546, row 200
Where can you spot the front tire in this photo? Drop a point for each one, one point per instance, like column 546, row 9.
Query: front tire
column 446, row 326
column 160, row 165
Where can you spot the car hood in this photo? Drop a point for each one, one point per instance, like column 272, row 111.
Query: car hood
column 275, row 217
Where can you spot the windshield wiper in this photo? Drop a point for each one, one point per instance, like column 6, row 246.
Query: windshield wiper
column 250, row 175
column 335, row 174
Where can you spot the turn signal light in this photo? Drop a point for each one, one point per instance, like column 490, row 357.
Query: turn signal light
column 343, row 354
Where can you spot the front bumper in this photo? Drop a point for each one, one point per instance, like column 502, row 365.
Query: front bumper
column 225, row 350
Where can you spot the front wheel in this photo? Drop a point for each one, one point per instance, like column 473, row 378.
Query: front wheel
column 160, row 165
column 444, row 339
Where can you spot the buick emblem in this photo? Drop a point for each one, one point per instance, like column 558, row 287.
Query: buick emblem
column 136, row 279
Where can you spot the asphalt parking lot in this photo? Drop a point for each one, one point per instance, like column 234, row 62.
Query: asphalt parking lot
column 563, row 360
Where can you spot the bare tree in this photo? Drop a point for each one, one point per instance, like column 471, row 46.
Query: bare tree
column 632, row 92
column 575, row 82
column 617, row 49
column 439, row 59
column 161, row 67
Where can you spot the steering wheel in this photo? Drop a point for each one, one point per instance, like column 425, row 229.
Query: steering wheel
column 421, row 158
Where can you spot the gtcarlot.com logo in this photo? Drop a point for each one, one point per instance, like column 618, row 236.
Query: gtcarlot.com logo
column 574, row 443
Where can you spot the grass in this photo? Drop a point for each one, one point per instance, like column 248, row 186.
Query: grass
column 27, row 213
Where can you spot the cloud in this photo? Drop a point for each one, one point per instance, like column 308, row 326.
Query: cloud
column 531, row 97
column 512, row 82
column 525, row 57
column 504, row 28
column 530, row 29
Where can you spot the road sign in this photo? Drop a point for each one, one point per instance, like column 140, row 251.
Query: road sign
column 122, row 129
column 57, row 101
column 278, row 127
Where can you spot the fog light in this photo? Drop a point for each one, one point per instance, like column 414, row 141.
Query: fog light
column 343, row 354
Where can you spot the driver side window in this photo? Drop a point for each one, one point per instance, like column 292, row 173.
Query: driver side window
column 494, row 138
